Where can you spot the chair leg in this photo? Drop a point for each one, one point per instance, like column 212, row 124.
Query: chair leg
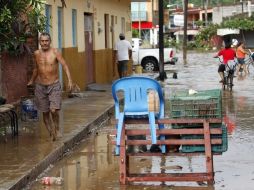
column 119, row 132
column 152, row 127
column 162, row 137
column 117, row 147
column 15, row 121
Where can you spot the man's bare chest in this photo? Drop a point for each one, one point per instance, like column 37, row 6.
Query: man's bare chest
column 44, row 59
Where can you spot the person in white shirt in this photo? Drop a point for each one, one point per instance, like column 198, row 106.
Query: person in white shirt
column 122, row 55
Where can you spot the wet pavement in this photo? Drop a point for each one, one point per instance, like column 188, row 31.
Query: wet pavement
column 92, row 165
column 26, row 156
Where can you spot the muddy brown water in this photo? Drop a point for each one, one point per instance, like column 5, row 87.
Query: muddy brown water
column 92, row 165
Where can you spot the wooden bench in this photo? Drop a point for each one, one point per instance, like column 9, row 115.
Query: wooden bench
column 207, row 141
column 7, row 112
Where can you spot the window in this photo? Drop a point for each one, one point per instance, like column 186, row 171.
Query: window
column 106, row 23
column 48, row 13
column 74, row 27
column 123, row 25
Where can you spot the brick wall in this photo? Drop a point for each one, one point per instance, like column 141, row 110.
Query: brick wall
column 33, row 44
column 14, row 76
column 15, row 73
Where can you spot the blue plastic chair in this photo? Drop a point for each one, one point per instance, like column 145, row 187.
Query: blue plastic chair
column 135, row 91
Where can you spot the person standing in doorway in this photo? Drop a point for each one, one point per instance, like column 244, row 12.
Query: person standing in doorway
column 48, row 89
column 122, row 55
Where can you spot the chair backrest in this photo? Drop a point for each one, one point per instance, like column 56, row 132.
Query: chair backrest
column 135, row 90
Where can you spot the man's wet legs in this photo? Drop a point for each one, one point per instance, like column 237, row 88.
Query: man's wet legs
column 55, row 118
column 221, row 76
column 47, row 122
column 122, row 68
column 119, row 68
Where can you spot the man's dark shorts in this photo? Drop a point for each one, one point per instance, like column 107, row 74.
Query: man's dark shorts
column 222, row 68
column 48, row 96
column 122, row 65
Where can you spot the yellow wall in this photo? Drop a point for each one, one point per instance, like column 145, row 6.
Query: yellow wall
column 112, row 7
column 79, row 5
column 75, row 60
column 105, row 69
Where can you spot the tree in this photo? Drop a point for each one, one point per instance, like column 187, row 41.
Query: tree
column 202, row 40
column 239, row 22
column 199, row 3
column 19, row 19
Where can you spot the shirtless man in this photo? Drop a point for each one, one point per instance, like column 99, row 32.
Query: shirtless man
column 47, row 85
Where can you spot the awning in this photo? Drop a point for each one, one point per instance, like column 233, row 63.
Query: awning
column 143, row 25
column 189, row 32
column 226, row 31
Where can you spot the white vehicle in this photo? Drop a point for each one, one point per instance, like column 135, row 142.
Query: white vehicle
column 148, row 58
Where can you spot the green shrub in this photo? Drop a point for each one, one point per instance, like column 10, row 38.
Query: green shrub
column 19, row 19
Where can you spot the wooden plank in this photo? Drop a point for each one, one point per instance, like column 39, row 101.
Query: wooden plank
column 169, row 121
column 168, row 177
column 172, row 142
column 200, row 131
column 171, row 154
column 208, row 153
column 185, row 131
column 122, row 161
column 189, row 120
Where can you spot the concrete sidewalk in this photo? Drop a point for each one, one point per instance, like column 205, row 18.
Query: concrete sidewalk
column 24, row 157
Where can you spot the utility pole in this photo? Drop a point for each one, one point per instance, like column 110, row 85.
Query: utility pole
column 249, row 9
column 161, row 43
column 206, row 4
column 153, row 23
column 185, row 31
column 241, row 1
column 139, row 21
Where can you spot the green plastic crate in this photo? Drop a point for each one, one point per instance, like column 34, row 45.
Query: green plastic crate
column 185, row 93
column 201, row 148
column 197, row 125
column 204, row 104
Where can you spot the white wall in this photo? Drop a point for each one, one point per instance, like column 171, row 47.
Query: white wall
column 225, row 11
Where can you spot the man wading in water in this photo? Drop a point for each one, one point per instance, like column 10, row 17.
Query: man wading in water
column 48, row 89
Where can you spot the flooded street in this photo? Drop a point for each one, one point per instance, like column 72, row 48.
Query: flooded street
column 92, row 165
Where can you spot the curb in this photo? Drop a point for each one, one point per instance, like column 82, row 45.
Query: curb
column 59, row 152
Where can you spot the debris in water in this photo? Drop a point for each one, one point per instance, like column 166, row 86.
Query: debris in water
column 172, row 167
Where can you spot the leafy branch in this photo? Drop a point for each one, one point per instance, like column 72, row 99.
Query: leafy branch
column 19, row 19
column 239, row 23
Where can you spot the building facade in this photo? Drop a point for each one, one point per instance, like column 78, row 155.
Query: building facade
column 85, row 31
column 145, row 20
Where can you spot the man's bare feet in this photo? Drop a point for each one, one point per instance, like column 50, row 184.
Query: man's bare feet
column 59, row 134
column 53, row 136
column 50, row 133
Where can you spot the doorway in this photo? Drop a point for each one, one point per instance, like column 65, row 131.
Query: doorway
column 88, row 29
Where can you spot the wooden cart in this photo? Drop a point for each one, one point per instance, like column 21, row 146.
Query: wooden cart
column 207, row 141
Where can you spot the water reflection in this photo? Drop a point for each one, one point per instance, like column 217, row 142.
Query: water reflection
column 229, row 111
column 93, row 166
